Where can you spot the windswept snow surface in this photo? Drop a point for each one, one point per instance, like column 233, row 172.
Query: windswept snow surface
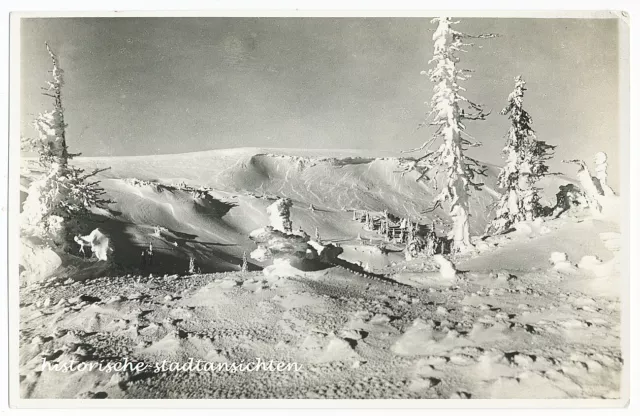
column 500, row 322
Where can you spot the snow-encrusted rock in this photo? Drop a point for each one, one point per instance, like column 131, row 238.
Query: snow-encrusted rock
column 278, row 241
column 569, row 199
column 274, row 243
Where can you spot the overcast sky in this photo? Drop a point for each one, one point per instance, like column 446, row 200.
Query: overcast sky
column 139, row 86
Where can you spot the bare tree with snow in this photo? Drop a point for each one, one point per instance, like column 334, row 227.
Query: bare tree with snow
column 526, row 163
column 449, row 161
column 57, row 200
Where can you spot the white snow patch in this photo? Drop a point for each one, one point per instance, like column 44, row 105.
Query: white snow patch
column 38, row 261
column 447, row 269
column 589, row 262
column 282, row 268
column 561, row 263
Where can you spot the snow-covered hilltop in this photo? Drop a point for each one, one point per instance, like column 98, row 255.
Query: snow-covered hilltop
column 518, row 317
column 209, row 202
column 422, row 273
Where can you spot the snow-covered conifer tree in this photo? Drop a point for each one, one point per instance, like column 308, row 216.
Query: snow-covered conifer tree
column 526, row 159
column 449, row 161
column 601, row 173
column 245, row 263
column 58, row 199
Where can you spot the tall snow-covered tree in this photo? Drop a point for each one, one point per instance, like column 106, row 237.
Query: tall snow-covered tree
column 58, row 199
column 453, row 167
column 526, row 163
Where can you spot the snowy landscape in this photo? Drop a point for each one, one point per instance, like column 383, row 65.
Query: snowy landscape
column 397, row 274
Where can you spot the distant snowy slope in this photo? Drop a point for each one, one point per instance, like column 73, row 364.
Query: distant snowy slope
column 242, row 183
column 335, row 180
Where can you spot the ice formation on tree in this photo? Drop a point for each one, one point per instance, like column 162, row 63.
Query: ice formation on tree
column 97, row 241
column 277, row 241
column 58, row 199
column 526, row 164
column 83, row 244
column 193, row 268
column 245, row 264
column 450, row 160
column 590, row 188
column 279, row 214
column 601, row 173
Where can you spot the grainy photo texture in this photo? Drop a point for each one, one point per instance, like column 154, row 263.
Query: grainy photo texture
column 320, row 208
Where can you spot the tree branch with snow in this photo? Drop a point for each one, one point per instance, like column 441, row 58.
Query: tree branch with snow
column 447, row 113
column 62, row 195
column 526, row 158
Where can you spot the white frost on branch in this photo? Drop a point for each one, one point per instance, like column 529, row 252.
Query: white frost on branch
column 449, row 160
column 601, row 173
column 278, row 241
column 98, row 242
column 526, row 158
column 58, row 199
column 592, row 194
column 279, row 215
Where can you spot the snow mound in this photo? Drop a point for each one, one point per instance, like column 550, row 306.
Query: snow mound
column 366, row 255
column 337, row 349
column 611, row 241
column 531, row 228
column 589, row 262
column 446, row 267
column 561, row 263
column 37, row 261
column 445, row 275
column 607, row 282
column 422, row 339
column 282, row 268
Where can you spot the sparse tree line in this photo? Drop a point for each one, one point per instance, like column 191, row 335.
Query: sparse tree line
column 454, row 171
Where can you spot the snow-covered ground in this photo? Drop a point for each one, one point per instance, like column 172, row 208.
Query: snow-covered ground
column 534, row 313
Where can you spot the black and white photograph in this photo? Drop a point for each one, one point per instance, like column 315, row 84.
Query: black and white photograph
column 320, row 207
